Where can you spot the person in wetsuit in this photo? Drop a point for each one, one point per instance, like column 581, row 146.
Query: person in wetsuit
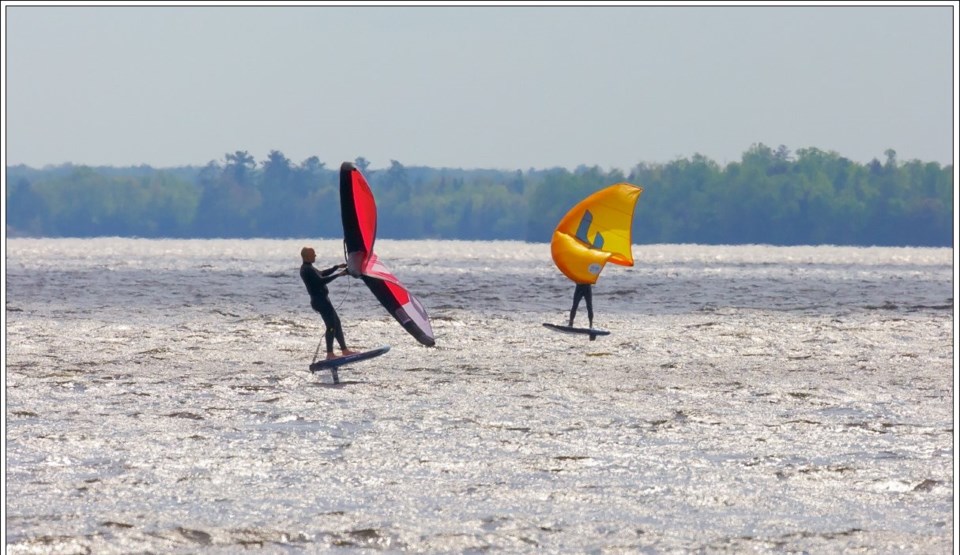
column 316, row 282
column 583, row 291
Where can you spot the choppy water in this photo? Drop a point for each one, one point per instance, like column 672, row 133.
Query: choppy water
column 749, row 399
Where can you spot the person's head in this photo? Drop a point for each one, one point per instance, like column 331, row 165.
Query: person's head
column 308, row 254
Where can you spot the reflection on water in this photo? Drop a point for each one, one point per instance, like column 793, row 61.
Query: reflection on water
column 748, row 399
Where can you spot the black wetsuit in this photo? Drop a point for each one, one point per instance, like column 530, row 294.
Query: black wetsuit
column 583, row 291
column 316, row 282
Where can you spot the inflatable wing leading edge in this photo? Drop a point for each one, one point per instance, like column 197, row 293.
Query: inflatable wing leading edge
column 359, row 213
column 596, row 231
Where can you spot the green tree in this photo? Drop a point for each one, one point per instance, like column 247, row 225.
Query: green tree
column 278, row 191
column 768, row 196
column 240, row 166
column 26, row 209
column 362, row 164
column 229, row 200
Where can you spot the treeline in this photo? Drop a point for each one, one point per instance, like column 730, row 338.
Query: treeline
column 770, row 196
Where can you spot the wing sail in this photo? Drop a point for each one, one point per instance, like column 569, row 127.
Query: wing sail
column 358, row 210
column 596, row 231
column 404, row 306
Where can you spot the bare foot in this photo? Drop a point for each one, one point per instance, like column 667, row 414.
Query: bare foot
column 346, row 352
column 331, row 356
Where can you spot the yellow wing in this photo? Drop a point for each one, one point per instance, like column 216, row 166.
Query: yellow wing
column 596, row 231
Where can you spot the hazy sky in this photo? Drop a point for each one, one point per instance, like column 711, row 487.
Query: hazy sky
column 475, row 87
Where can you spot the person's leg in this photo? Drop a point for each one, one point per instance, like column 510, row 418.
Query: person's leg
column 577, row 295
column 338, row 333
column 330, row 332
column 588, row 296
column 328, row 336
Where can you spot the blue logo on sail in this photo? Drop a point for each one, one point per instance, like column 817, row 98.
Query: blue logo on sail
column 584, row 227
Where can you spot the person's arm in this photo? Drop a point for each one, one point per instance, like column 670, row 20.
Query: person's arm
column 332, row 269
column 328, row 275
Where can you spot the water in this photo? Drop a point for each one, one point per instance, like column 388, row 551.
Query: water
column 749, row 399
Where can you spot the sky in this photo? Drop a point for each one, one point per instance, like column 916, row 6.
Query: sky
column 475, row 86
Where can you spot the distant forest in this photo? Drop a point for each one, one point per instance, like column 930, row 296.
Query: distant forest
column 771, row 196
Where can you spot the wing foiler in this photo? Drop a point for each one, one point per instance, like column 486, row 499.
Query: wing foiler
column 596, row 231
column 359, row 213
